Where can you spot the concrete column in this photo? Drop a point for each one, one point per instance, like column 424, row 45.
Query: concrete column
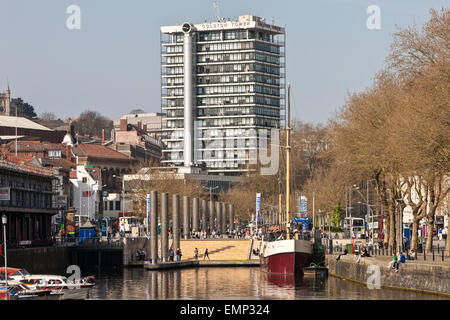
column 204, row 216
column 219, row 217
column 211, row 216
column 164, row 227
column 176, row 221
column 189, row 95
column 195, row 215
column 186, row 216
column 224, row 218
column 154, row 227
column 231, row 212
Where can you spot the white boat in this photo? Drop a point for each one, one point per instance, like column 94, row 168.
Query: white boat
column 57, row 285
column 15, row 290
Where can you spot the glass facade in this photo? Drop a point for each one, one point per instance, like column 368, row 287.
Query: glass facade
column 239, row 77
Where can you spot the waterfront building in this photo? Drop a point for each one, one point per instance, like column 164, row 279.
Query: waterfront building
column 223, row 83
column 23, row 128
column 87, row 192
column 152, row 123
column 112, row 164
column 113, row 206
column 134, row 141
column 28, row 198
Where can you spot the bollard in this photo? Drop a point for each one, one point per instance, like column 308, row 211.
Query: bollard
column 442, row 251
column 219, row 217
column 195, row 215
column 164, row 227
column 204, row 216
column 224, row 218
column 432, row 251
column 186, row 216
column 211, row 217
column 424, row 255
column 231, row 211
column 154, row 227
column 176, row 222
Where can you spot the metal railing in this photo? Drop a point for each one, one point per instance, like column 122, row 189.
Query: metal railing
column 437, row 253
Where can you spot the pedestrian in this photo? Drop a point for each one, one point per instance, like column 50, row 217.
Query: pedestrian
column 412, row 255
column 196, row 254
column 342, row 254
column 171, row 254
column 401, row 259
column 393, row 262
column 179, row 255
column 206, row 254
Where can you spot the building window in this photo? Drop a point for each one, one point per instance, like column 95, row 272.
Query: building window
column 118, row 205
column 111, row 205
column 54, row 154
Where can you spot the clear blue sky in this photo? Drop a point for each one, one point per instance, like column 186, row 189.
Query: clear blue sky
column 112, row 64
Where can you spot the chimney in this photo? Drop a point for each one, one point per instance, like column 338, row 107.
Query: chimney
column 103, row 136
column 139, row 125
column 123, row 124
column 69, row 152
column 145, row 128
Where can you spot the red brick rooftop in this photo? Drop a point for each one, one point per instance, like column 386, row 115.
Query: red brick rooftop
column 98, row 151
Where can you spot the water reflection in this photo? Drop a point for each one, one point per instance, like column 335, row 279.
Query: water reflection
column 234, row 284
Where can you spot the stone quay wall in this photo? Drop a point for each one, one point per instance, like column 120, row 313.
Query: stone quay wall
column 422, row 277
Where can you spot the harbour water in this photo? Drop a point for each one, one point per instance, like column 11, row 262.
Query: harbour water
column 235, row 284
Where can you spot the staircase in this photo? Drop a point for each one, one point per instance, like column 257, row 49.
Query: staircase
column 219, row 250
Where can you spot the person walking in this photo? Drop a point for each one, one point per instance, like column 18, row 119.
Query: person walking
column 196, row 254
column 171, row 254
column 206, row 254
column 179, row 255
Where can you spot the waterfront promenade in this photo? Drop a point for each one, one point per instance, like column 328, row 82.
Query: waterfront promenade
column 417, row 275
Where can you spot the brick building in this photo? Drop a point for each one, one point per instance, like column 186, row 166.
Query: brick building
column 27, row 197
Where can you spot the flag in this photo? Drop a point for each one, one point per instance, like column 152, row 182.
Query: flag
column 148, row 207
column 258, row 206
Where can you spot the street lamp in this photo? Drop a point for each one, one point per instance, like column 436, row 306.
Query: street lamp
column 210, row 192
column 4, row 221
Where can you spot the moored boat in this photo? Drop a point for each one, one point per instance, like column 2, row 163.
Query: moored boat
column 286, row 256
column 58, row 286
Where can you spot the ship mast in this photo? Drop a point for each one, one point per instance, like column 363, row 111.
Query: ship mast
column 288, row 161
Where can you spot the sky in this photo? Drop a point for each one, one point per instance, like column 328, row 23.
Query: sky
column 112, row 63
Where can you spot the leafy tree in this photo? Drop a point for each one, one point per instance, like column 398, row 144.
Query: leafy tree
column 336, row 216
column 92, row 123
column 24, row 109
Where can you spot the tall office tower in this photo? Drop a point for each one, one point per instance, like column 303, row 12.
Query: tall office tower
column 223, row 86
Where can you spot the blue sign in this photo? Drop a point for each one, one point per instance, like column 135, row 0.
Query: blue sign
column 258, row 206
column 302, row 204
column 302, row 221
column 148, row 207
